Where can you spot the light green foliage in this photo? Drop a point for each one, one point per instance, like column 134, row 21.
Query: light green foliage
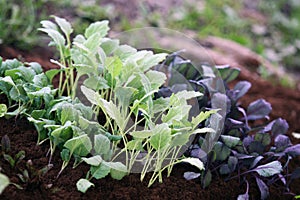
column 3, row 110
column 4, row 182
column 195, row 162
column 120, row 84
column 83, row 185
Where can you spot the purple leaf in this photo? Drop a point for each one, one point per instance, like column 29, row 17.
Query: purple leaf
column 241, row 88
column 198, row 153
column 255, row 161
column 191, row 175
column 258, row 109
column 224, row 169
column 232, row 163
column 281, row 142
column 269, row 169
column 246, row 195
column 264, row 190
column 257, row 147
column 293, row 150
column 281, row 177
column 232, row 123
column 247, row 140
column 280, row 126
column 268, row 127
column 228, row 73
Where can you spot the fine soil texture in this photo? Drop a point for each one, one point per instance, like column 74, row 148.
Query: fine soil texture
column 22, row 136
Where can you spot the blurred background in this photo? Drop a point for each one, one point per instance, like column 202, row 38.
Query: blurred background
column 261, row 36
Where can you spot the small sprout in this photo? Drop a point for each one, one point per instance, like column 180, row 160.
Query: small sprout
column 9, row 159
column 45, row 169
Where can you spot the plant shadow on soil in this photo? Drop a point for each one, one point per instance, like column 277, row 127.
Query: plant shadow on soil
column 22, row 135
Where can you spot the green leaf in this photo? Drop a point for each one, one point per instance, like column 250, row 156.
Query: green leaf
column 206, row 178
column 83, row 185
column 124, row 51
column 80, row 145
column 40, row 93
column 94, row 161
column 64, row 25
column 180, row 138
column 91, row 95
column 8, row 80
column 117, row 170
column 100, row 171
column 263, row 138
column 222, row 151
column 36, row 67
column 204, row 130
column 176, row 113
column 102, row 145
column 227, row 73
column 152, row 60
column 3, row 110
column 135, row 145
column 114, row 66
column 161, row 136
column 160, row 105
column 201, row 117
column 98, row 27
column 142, row 134
column 230, row 141
column 22, row 72
column 93, row 43
column 68, row 113
column 58, row 39
column 124, row 97
column 61, row 134
column 156, row 78
column 96, row 83
column 40, row 80
column 195, row 162
column 109, row 45
column 111, row 109
column 269, row 169
column 188, row 94
column 65, row 155
column 51, row 74
column 48, row 24
column 4, row 182
column 9, row 159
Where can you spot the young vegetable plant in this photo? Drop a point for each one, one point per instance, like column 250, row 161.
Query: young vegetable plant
column 121, row 85
column 249, row 144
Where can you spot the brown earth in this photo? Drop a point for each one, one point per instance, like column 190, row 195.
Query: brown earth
column 285, row 103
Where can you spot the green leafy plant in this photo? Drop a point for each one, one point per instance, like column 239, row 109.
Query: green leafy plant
column 121, row 85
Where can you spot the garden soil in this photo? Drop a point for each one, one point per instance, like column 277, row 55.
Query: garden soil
column 22, row 135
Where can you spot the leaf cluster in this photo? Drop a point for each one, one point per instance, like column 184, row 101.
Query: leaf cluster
column 249, row 142
column 121, row 84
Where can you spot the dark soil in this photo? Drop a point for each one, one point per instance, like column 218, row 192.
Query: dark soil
column 22, row 135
